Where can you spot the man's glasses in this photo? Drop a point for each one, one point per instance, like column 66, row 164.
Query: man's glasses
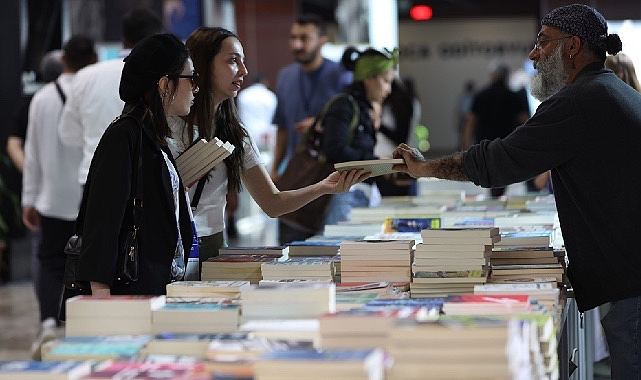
column 192, row 78
column 539, row 43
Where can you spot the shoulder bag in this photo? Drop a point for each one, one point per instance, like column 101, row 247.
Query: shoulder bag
column 127, row 263
column 308, row 165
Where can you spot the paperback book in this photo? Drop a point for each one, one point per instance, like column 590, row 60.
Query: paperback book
column 45, row 370
column 375, row 167
column 200, row 157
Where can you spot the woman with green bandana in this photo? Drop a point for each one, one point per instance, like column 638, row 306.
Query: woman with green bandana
column 352, row 119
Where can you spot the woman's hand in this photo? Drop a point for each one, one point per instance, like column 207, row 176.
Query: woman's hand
column 340, row 182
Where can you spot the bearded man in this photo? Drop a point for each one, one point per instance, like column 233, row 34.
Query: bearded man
column 302, row 89
column 586, row 131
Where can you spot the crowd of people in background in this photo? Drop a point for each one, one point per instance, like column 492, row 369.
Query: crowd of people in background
column 87, row 132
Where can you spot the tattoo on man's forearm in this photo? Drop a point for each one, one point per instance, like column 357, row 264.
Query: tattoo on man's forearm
column 450, row 167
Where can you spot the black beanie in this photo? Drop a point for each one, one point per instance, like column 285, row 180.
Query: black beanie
column 151, row 59
column 585, row 22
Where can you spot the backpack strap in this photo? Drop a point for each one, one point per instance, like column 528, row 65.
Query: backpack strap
column 60, row 92
column 311, row 132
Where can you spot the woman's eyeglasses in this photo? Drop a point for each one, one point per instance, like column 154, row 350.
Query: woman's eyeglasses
column 192, row 78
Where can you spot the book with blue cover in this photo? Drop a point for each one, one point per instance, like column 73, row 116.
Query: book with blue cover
column 411, row 224
column 94, row 347
column 313, row 248
column 392, row 303
column 45, row 370
column 536, row 238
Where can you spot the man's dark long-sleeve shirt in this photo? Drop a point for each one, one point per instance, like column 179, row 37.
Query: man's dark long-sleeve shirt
column 588, row 134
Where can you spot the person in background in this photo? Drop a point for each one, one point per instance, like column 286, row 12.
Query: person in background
column 157, row 82
column 589, row 122
column 49, row 69
column 256, row 108
column 374, row 72
column 50, row 193
column 93, row 102
column 496, row 111
column 463, row 106
column 400, row 115
column 623, row 67
column 219, row 59
column 302, row 87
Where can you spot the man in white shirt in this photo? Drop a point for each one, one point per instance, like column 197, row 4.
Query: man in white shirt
column 50, row 193
column 93, row 101
column 256, row 108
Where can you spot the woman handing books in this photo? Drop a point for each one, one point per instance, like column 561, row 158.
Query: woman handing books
column 219, row 59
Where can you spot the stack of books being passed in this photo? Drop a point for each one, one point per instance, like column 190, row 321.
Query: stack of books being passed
column 376, row 260
column 200, row 157
column 299, row 268
column 113, row 315
column 451, row 260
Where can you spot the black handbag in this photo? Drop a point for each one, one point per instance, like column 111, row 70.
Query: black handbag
column 128, row 252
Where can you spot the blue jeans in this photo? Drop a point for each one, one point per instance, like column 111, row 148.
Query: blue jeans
column 340, row 207
column 622, row 327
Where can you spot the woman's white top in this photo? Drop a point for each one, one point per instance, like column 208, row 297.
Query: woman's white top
column 210, row 213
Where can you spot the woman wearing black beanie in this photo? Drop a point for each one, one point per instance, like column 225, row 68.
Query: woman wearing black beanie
column 157, row 82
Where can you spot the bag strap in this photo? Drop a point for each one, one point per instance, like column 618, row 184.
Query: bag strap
column 137, row 187
column 60, row 92
column 199, row 191
column 321, row 116
column 136, row 182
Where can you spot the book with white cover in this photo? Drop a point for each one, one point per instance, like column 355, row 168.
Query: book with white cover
column 205, row 288
column 205, row 165
column 376, row 167
column 195, row 150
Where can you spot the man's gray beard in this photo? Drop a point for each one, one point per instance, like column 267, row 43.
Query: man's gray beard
column 550, row 76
